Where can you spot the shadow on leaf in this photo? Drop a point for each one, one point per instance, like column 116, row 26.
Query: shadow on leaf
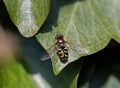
column 98, row 69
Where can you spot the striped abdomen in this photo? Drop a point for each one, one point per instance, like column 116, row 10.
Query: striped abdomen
column 62, row 52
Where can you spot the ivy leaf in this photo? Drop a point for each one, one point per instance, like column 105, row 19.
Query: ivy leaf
column 90, row 24
column 28, row 15
column 42, row 72
column 11, row 69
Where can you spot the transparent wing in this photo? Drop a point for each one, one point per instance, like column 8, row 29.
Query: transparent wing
column 77, row 48
column 51, row 52
column 80, row 50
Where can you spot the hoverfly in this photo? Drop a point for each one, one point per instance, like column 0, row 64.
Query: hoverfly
column 62, row 48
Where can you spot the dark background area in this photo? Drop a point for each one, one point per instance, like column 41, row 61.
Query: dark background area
column 97, row 68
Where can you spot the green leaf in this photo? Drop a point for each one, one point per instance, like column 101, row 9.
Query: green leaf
column 87, row 23
column 42, row 70
column 28, row 15
column 13, row 75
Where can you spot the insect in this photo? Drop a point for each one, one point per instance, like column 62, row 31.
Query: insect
column 62, row 48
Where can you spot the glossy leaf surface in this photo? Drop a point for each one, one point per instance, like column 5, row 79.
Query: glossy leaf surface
column 28, row 15
column 87, row 23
